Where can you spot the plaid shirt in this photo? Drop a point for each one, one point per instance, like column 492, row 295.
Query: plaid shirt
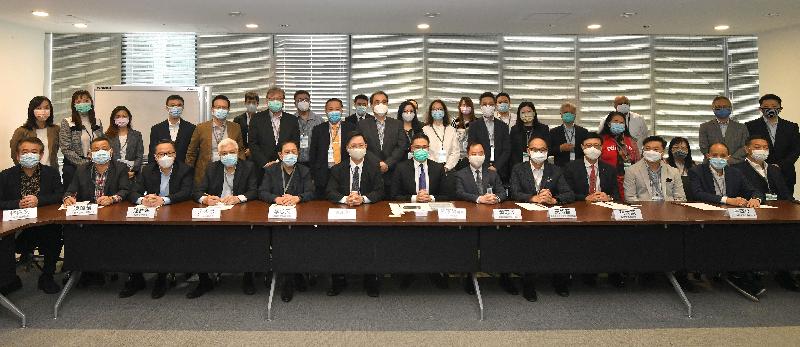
column 99, row 184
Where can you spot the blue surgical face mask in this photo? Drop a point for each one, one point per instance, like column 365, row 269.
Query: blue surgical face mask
column 220, row 113
column 83, row 107
column 275, row 105
column 29, row 160
column 420, row 155
column 718, row 163
column 229, row 159
column 175, row 111
column 617, row 128
column 361, row 110
column 568, row 117
column 101, row 157
column 722, row 112
column 503, row 107
column 437, row 114
column 289, row 159
column 334, row 116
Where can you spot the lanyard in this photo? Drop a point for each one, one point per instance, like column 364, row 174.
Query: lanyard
column 285, row 182
column 444, row 135
column 721, row 189
column 332, row 133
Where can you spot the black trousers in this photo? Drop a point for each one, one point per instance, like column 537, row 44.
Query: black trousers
column 8, row 271
column 49, row 241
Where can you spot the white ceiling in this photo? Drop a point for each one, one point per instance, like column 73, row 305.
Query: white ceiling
column 696, row 17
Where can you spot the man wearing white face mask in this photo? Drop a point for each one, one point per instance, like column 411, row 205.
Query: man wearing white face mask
column 163, row 182
column 385, row 136
column 635, row 123
column 307, row 120
column 101, row 181
column 174, row 128
column 208, row 135
column 591, row 179
column 477, row 184
column 651, row 179
column 503, row 111
column 766, row 178
column 493, row 135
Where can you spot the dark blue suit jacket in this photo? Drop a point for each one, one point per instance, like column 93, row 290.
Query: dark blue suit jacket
column 735, row 185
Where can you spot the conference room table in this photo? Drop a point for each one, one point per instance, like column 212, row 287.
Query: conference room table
column 669, row 237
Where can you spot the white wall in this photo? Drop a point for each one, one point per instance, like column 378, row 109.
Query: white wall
column 778, row 59
column 21, row 78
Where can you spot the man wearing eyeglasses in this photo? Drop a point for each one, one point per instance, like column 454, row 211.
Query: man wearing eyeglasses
column 782, row 134
column 724, row 129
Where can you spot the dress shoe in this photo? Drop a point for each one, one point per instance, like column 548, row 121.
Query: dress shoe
column 134, row 284
column 406, row 280
column 469, row 287
column 616, row 279
column 300, row 283
column 287, row 289
column 440, row 280
column 47, row 284
column 12, row 286
column 372, row 285
column 507, row 285
column 786, row 281
column 529, row 291
column 248, row 287
column 203, row 287
column 338, row 284
column 159, row 287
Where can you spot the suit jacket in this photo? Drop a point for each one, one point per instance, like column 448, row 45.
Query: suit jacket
column 785, row 151
column 353, row 119
column 181, row 182
column 736, row 185
column 405, row 181
column 300, row 184
column 82, row 185
column 637, row 183
column 50, row 188
column 318, row 151
column 371, row 181
column 558, row 137
column 244, row 180
column 242, row 121
column 502, row 144
column 200, row 152
column 261, row 139
column 133, row 152
column 578, row 179
column 773, row 184
column 522, row 183
column 735, row 138
column 69, row 140
column 52, row 142
column 519, row 140
column 467, row 188
column 160, row 132
column 395, row 142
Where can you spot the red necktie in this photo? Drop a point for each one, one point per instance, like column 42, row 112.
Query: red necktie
column 592, row 181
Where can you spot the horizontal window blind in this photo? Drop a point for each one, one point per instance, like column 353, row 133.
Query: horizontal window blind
column 165, row 59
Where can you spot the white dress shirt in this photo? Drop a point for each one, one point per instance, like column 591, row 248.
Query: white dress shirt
column 360, row 167
column 589, row 173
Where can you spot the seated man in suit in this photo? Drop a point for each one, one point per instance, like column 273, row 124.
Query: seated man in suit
column 30, row 184
column 229, row 181
column 163, row 182
column 716, row 183
column 355, row 182
column 591, row 179
column 477, row 184
column 328, row 144
column 419, row 179
column 540, row 182
column 651, row 179
column 288, row 184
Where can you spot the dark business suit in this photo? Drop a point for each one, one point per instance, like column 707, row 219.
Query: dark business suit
column 519, row 140
column 395, row 142
column 244, row 181
column 134, row 150
column 299, row 184
column 353, row 119
column 578, row 179
column 776, row 185
column 181, row 182
column 467, row 188
column 405, row 181
column 82, row 185
column 242, row 121
column 522, row 183
column 735, row 185
column 160, row 132
column 318, row 152
column 261, row 139
column 371, row 181
column 786, row 149
column 558, row 137
column 502, row 145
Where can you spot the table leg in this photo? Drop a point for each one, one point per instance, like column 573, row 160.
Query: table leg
column 478, row 293
column 10, row 306
column 271, row 295
column 73, row 276
column 679, row 290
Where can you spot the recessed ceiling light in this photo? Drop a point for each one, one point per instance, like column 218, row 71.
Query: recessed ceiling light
column 40, row 13
column 252, row 26
column 432, row 14
column 284, row 25
column 627, row 14
column 594, row 26
column 722, row 27
column 773, row 14
column 80, row 25
column 423, row 26
column 235, row 13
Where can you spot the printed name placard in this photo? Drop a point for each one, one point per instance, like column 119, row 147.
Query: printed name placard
column 562, row 213
column 206, row 213
column 341, row 214
column 632, row 214
column 282, row 212
column 507, row 213
column 82, row 210
column 141, row 212
column 452, row 213
column 741, row 213
column 19, row 214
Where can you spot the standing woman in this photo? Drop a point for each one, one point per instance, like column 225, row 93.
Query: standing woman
column 126, row 143
column 619, row 148
column 443, row 139
column 680, row 155
column 39, row 125
column 466, row 114
column 407, row 113
column 526, row 128
column 77, row 133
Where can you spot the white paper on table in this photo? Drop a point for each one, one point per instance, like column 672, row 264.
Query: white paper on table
column 703, row 206
column 222, row 207
column 613, row 205
column 767, row 206
column 397, row 210
column 437, row 205
column 79, row 203
column 532, row 206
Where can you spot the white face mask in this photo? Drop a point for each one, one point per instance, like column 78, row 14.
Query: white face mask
column 380, row 109
column 303, row 105
column 357, row 153
column 623, row 108
column 592, row 153
column 652, row 156
column 408, row 116
column 476, row 161
column 41, row 115
column 166, row 161
column 760, row 154
column 488, row 111
column 538, row 157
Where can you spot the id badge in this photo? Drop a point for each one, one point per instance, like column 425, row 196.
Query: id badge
column 491, row 155
column 771, row 197
column 303, row 141
column 525, row 157
column 442, row 156
column 572, row 155
column 410, row 155
column 330, row 157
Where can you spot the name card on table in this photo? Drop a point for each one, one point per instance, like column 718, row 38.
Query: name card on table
column 19, row 214
column 741, row 213
column 452, row 213
column 507, row 213
column 82, row 210
column 562, row 213
column 141, row 212
column 632, row 214
column 341, row 214
column 206, row 213
column 282, row 212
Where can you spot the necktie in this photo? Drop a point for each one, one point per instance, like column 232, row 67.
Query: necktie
column 336, row 144
column 422, row 183
column 356, row 187
column 592, row 181
column 479, row 182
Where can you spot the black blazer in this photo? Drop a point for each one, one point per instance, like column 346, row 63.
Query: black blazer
column 786, row 149
column 300, row 183
column 405, row 184
column 777, row 184
column 261, row 139
column 318, row 151
column 395, row 142
column 371, row 181
column 82, row 185
column 519, row 140
column 558, row 138
column 578, row 179
column 502, row 144
column 467, row 188
column 50, row 188
column 353, row 119
column 244, row 180
column 181, row 182
column 522, row 183
column 160, row 132
column 735, row 184
column 242, row 121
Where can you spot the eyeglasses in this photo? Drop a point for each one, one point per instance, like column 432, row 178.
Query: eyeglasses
column 161, row 155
